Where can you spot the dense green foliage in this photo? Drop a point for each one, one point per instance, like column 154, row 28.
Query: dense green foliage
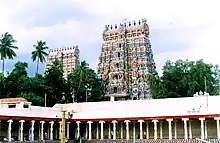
column 18, row 84
column 52, row 85
column 54, row 82
column 83, row 78
column 185, row 78
column 7, row 48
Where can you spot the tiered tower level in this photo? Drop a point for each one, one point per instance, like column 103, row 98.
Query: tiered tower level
column 69, row 57
column 126, row 59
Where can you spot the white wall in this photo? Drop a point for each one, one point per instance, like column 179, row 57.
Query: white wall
column 122, row 109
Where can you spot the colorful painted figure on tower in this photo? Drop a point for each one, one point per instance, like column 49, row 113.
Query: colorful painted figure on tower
column 126, row 58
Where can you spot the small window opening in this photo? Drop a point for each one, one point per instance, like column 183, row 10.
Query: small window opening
column 11, row 105
column 116, row 76
column 117, row 65
column 119, row 54
column 119, row 45
column 25, row 106
column 115, row 89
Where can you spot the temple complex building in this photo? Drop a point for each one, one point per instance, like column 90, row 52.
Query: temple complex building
column 126, row 60
column 179, row 120
column 69, row 57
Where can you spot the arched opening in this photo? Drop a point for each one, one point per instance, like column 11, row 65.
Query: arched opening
column 117, row 65
column 115, row 90
column 119, row 55
column 119, row 45
column 116, row 76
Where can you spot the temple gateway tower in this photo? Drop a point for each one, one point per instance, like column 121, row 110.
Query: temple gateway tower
column 126, row 60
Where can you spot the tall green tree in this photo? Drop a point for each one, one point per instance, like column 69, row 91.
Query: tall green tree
column 2, row 85
column 216, row 71
column 82, row 71
column 7, row 48
column 15, row 80
column 39, row 53
column 185, row 78
column 19, row 84
column 33, row 89
column 86, row 84
column 55, row 84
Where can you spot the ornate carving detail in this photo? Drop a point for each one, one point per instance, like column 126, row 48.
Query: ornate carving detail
column 131, row 59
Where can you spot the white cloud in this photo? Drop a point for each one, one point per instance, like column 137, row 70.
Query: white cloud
column 53, row 34
column 206, row 44
column 180, row 13
column 181, row 20
column 181, row 16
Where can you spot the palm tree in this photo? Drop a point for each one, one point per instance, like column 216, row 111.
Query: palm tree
column 7, row 48
column 81, row 71
column 40, row 52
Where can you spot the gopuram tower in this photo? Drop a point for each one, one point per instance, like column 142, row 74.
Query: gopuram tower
column 126, row 60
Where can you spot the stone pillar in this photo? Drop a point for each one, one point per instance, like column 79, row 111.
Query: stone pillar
column 147, row 130
column 175, row 130
column 122, row 125
column 32, row 130
column 161, row 130
column 190, row 129
column 86, row 131
column 67, row 130
column 155, row 128
column 185, row 127
column 39, row 134
column 170, row 128
column 141, row 128
column 9, row 130
column 90, row 129
column 97, row 131
column 109, row 130
column 134, row 132
column 202, row 128
column 102, row 122
column 60, row 129
column 114, row 129
column 42, row 130
column 78, row 129
column 217, row 126
column 206, row 130
column 21, row 130
column 48, row 132
column 51, row 130
column 127, row 129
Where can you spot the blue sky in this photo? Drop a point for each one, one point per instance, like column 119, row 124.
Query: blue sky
column 179, row 29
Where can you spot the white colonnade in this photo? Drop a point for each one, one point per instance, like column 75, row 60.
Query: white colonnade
column 117, row 129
